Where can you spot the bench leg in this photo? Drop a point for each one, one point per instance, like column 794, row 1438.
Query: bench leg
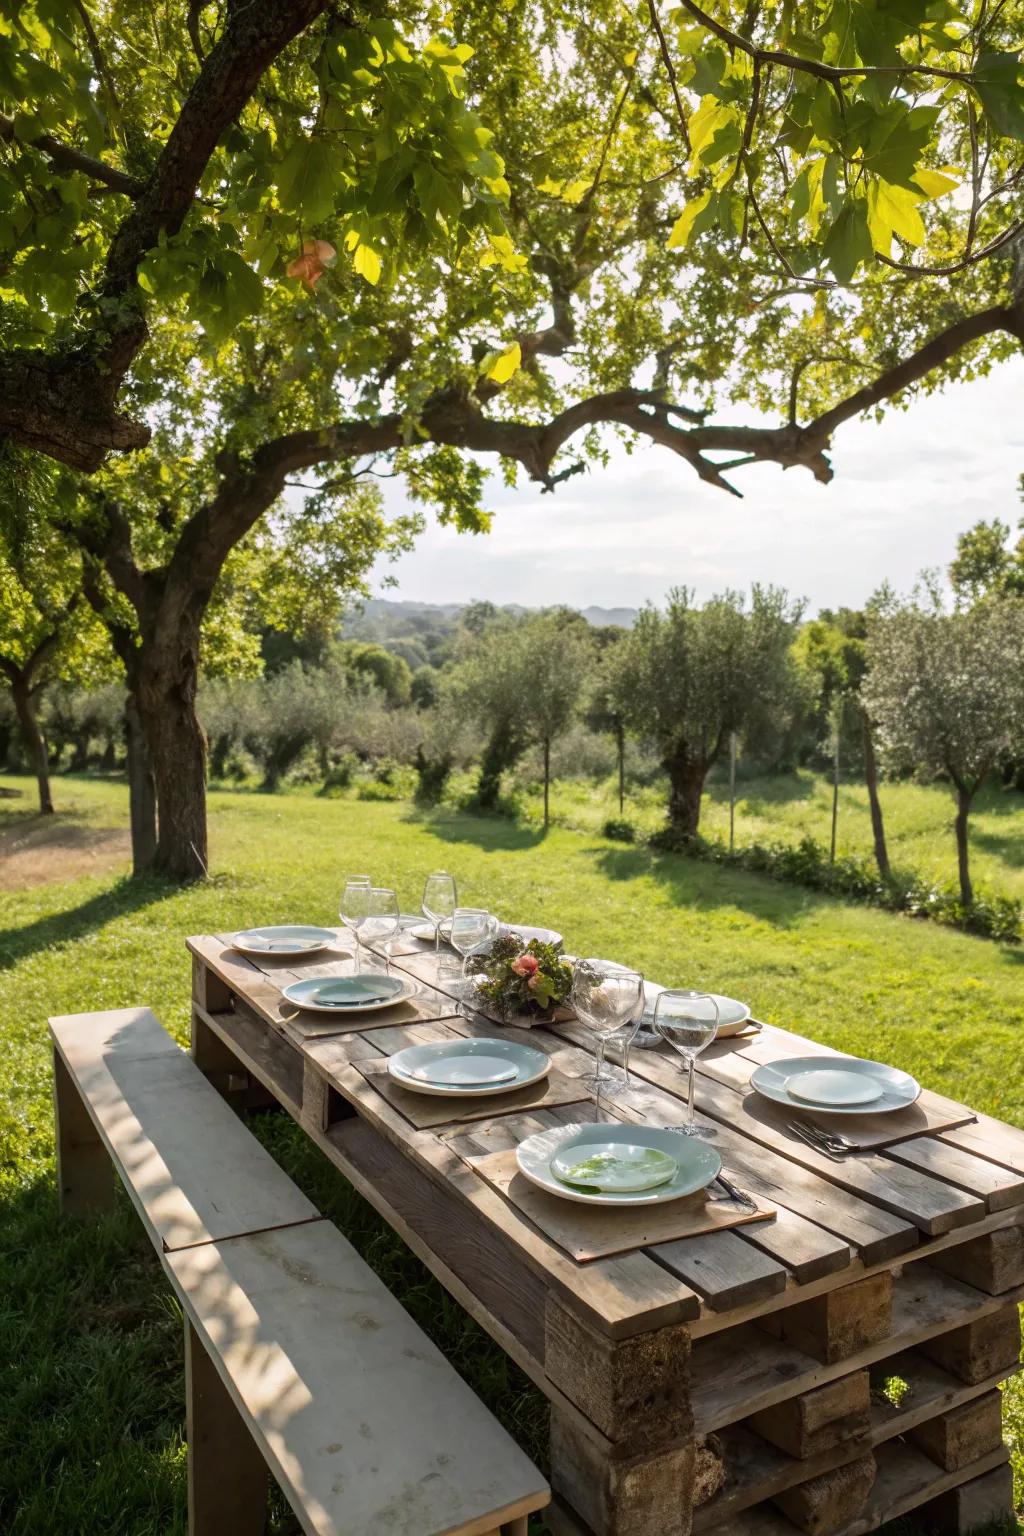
column 227, row 1476
column 85, row 1174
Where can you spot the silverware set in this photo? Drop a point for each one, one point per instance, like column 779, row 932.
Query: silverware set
column 831, row 1143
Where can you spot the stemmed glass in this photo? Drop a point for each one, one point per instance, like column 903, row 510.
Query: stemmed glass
column 354, row 908
column 604, row 996
column 381, row 922
column 440, row 898
column 689, row 1022
column 473, row 929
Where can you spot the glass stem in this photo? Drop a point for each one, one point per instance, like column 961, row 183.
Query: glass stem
column 437, row 937
column 358, row 953
column 689, row 1094
column 625, row 1059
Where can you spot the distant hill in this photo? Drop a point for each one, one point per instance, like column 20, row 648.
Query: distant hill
column 403, row 615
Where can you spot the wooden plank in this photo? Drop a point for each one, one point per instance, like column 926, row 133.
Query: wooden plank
column 991, row 1139
column 981, row 1347
column 85, row 1178
column 227, row 1476
column 983, row 1503
column 193, row 1171
column 816, row 1421
column 839, row 1324
column 993, row 1262
column 724, row 1270
column 998, row 1187
column 832, row 1500
column 755, row 1468
column 273, row 1061
column 906, row 1479
column 426, row 1111
column 956, row 1438
column 361, row 1419
column 743, row 1369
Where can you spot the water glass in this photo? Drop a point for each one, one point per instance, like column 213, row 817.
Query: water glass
column 689, row 1022
column 473, row 930
column 604, row 997
column 440, row 898
column 354, row 908
column 381, row 922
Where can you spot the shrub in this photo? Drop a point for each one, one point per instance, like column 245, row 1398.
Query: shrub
column 806, row 863
column 619, row 830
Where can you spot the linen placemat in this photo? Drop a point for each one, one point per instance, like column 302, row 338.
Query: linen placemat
column 599, row 1231
column 427, row 1110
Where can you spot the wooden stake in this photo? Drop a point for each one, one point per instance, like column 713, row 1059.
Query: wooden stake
column 732, row 790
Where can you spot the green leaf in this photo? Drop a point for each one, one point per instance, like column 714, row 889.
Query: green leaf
column 997, row 80
column 307, row 180
column 502, row 365
column 937, row 183
column 709, row 117
column 893, row 211
column 682, row 229
column 367, row 263
column 848, row 242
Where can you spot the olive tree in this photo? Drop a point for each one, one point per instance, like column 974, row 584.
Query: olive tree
column 688, row 677
column 946, row 690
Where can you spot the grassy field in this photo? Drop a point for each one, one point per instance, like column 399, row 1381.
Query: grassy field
column 787, row 807
column 90, row 1385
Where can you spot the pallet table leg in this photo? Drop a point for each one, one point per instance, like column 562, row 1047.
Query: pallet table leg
column 961, row 1435
column 979, row 1349
column 985, row 1502
column 830, row 1501
column 637, row 1495
column 816, row 1420
column 515, row 1527
column 993, row 1262
column 227, row 1476
column 840, row 1323
column 85, row 1175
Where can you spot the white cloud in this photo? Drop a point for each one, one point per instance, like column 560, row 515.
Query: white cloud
column 903, row 490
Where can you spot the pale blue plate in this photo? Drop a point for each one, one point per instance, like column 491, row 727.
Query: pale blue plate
column 348, row 994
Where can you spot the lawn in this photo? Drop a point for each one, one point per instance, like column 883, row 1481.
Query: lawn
column 90, row 1427
column 787, row 807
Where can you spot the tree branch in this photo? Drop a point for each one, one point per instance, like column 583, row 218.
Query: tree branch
column 64, row 405
column 65, row 158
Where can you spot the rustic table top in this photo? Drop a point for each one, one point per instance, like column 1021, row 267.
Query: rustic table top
column 954, row 1175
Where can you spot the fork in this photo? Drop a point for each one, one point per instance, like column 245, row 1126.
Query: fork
column 734, row 1194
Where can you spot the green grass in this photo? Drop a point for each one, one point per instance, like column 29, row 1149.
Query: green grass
column 787, row 807
column 90, row 1385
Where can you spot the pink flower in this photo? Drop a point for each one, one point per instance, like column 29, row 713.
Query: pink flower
column 531, row 985
column 526, row 965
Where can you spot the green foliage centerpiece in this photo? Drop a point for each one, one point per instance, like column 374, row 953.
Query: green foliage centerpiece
column 523, row 981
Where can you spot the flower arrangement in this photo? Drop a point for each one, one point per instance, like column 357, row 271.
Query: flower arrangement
column 523, row 979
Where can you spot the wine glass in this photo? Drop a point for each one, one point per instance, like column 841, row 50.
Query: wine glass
column 354, row 908
column 381, row 922
column 440, row 898
column 473, row 929
column 604, row 996
column 689, row 1022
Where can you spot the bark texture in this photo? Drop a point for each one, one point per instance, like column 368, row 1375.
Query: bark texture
column 871, row 778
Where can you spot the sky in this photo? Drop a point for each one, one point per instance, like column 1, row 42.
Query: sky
column 617, row 537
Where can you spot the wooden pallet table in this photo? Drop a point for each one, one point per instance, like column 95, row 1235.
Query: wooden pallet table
column 824, row 1371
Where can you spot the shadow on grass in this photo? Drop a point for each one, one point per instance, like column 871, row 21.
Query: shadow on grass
column 126, row 895
column 699, row 885
column 758, row 795
column 490, row 833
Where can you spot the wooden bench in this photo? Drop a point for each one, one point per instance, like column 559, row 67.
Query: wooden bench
column 297, row 1357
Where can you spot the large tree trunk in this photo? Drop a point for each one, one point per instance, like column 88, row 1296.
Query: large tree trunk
column 141, row 790
column 871, row 778
column 963, row 810
column 35, row 741
column 165, row 694
column 686, row 785
column 504, row 748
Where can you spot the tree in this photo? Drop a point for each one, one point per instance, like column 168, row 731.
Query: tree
column 557, row 651
column 602, row 711
column 687, row 677
column 488, row 684
column 831, row 651
column 708, row 209
column 730, row 160
column 947, row 692
column 983, row 562
column 46, row 632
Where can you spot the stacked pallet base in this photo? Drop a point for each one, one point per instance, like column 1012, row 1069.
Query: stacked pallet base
column 877, row 1399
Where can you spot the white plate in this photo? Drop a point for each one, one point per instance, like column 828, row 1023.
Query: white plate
column 698, row 1163
column 304, row 994
column 530, row 1064
column 830, row 1086
column 425, row 931
column 542, row 935
column 612, row 1167
column 286, row 939
column 899, row 1088
column 732, row 1016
